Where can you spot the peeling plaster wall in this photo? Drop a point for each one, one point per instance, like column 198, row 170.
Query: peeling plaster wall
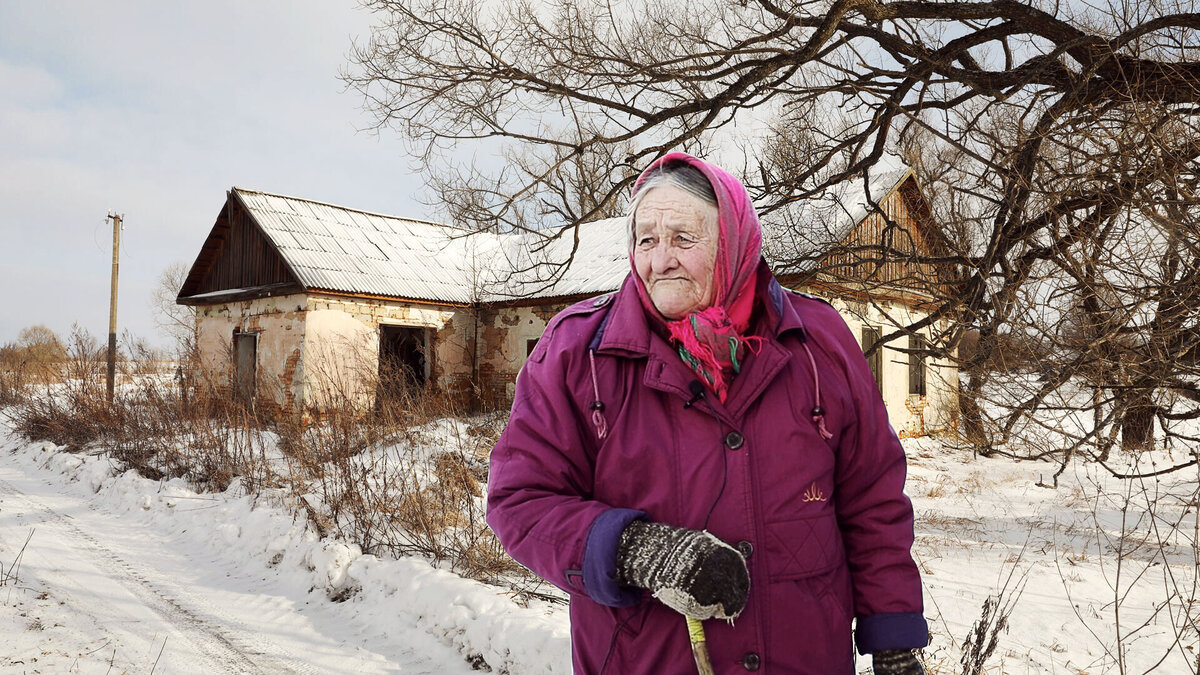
column 343, row 343
column 279, row 323
column 313, row 348
column 341, row 358
column 504, row 334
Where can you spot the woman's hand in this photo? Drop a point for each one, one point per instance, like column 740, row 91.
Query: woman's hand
column 896, row 662
column 690, row 571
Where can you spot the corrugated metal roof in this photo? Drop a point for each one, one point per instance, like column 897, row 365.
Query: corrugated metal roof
column 328, row 247
column 339, row 249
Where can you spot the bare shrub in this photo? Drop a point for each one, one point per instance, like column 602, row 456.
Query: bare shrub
column 398, row 471
column 14, row 379
column 36, row 357
column 384, row 478
column 71, row 412
column 152, row 425
column 234, row 446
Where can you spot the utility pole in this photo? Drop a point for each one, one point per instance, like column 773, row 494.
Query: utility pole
column 112, row 306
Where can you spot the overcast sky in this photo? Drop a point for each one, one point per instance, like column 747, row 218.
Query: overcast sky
column 154, row 109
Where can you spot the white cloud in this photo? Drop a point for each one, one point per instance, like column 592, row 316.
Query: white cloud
column 23, row 84
column 155, row 109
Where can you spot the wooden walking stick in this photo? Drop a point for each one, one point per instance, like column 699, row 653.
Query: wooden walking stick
column 699, row 646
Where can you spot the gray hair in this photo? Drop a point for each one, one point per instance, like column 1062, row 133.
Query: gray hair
column 675, row 174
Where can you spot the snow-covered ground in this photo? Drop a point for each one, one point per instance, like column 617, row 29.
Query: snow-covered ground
column 1108, row 567
column 108, row 572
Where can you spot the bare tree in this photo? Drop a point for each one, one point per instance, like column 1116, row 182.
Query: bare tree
column 41, row 343
column 1057, row 142
column 37, row 352
column 176, row 321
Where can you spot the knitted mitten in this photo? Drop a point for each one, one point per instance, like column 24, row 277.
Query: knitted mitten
column 896, row 662
column 690, row 571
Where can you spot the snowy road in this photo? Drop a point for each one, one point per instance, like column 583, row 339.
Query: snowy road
column 95, row 590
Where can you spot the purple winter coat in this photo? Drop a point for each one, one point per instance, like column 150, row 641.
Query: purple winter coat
column 824, row 524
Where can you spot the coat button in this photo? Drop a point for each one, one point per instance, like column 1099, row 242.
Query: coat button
column 751, row 662
column 745, row 548
column 601, row 301
column 734, row 440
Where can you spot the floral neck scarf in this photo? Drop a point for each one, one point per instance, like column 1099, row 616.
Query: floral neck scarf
column 710, row 344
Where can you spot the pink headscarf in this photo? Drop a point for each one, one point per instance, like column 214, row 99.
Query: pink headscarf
column 712, row 340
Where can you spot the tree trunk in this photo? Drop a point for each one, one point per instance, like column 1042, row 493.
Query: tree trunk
column 973, row 429
column 1137, row 425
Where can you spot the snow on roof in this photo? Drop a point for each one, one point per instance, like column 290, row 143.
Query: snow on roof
column 598, row 265
column 340, row 249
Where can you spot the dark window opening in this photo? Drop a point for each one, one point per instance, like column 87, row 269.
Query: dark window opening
column 530, row 345
column 245, row 349
column 402, row 363
column 870, row 336
column 916, row 364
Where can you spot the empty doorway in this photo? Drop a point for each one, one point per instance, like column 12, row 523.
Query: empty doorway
column 403, row 367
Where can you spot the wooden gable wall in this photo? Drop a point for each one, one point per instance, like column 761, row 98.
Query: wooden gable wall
column 236, row 255
column 878, row 251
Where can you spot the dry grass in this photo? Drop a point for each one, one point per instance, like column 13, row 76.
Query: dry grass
column 377, row 477
column 14, row 382
column 405, row 476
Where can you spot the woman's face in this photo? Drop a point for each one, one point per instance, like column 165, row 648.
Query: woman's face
column 675, row 249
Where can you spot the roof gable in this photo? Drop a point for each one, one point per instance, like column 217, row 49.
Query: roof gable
column 805, row 232
column 236, row 257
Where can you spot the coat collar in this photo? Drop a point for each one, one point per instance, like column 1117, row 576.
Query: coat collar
column 626, row 332
column 782, row 315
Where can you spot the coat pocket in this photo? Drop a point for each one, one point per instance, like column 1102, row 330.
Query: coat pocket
column 810, row 631
column 652, row 641
column 804, row 547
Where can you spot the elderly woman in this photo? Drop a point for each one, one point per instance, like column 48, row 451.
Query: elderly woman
column 704, row 443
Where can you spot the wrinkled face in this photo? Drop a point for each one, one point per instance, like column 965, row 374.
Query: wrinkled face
column 674, row 250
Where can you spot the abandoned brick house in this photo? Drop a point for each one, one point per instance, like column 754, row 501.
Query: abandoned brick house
column 299, row 302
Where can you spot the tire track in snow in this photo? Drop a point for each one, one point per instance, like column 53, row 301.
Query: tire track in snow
column 224, row 651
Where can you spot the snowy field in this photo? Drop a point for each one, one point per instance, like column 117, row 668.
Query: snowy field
column 107, row 572
column 1106, row 568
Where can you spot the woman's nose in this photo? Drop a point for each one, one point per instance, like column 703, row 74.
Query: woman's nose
column 663, row 259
